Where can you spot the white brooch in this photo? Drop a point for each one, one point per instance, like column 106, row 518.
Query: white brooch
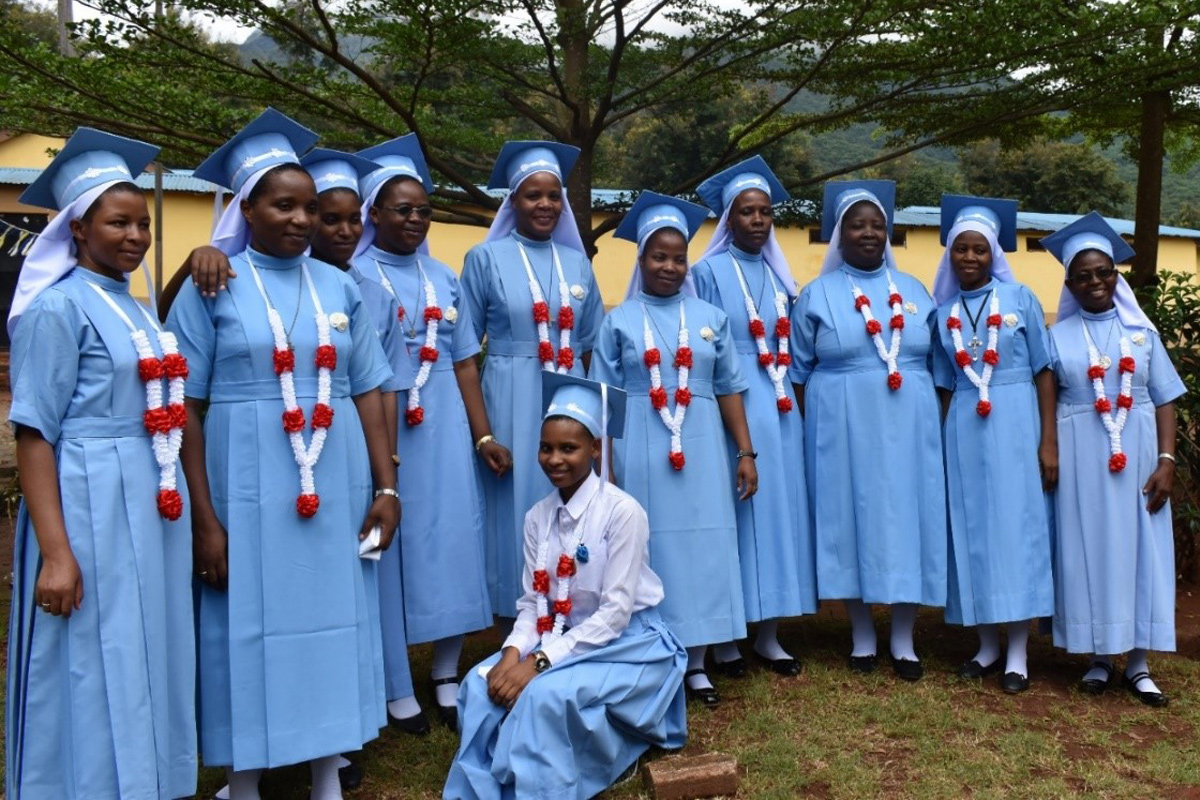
column 1139, row 339
column 577, row 291
column 450, row 315
column 339, row 320
column 1011, row 320
column 910, row 307
column 706, row 333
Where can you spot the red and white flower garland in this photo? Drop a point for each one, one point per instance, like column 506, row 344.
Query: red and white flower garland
column 165, row 423
column 991, row 355
column 414, row 413
column 775, row 364
column 888, row 355
column 284, row 359
column 551, row 627
column 658, row 395
column 1112, row 424
column 565, row 359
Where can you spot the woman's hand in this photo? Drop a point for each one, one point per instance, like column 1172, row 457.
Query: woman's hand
column 210, row 552
column 210, row 270
column 496, row 456
column 1158, row 488
column 508, row 659
column 59, row 588
column 747, row 478
column 384, row 512
column 1048, row 461
column 509, row 684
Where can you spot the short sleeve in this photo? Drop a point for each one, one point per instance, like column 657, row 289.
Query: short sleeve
column 592, row 315
column 191, row 320
column 944, row 371
column 727, row 368
column 1036, row 335
column 804, row 339
column 464, row 342
column 45, row 365
column 475, row 282
column 368, row 368
column 1163, row 381
column 1052, row 357
column 702, row 281
column 607, row 366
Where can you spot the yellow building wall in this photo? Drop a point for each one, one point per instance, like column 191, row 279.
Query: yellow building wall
column 28, row 150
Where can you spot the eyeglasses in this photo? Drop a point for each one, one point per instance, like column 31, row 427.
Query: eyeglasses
column 424, row 212
column 1084, row 278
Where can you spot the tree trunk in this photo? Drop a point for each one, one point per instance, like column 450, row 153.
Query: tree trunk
column 1148, row 208
column 574, row 38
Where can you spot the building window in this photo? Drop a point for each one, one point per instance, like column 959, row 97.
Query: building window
column 899, row 237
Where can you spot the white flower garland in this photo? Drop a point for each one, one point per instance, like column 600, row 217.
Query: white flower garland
column 658, row 395
column 1112, row 425
column 565, row 359
column 776, row 365
column 415, row 412
column 875, row 330
column 991, row 356
column 541, row 584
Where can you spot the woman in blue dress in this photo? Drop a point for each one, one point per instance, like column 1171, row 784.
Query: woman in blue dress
column 437, row 576
column 101, row 657
column 992, row 372
column 863, row 331
column 531, row 264
column 562, row 713
column 675, row 357
column 290, row 366
column 1114, row 551
column 743, row 271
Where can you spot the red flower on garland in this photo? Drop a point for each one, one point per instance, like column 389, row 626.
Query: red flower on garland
column 894, row 299
column 765, row 359
column 566, row 318
column 432, row 314
column 178, row 414
column 170, row 503
column 541, row 581
column 326, row 357
column 994, row 320
column 894, row 381
column 658, row 398
column 1103, row 406
column 157, row 420
column 175, row 365
column 149, row 369
column 414, row 416
column 1117, row 462
column 293, row 421
column 683, row 396
column 566, row 566
column 545, row 351
column 566, row 357
column 307, row 504
column 677, row 461
column 563, row 607
column 897, row 323
column 400, row 314
column 545, row 624
column 285, row 361
column 428, row 353
column 652, row 357
column 954, row 324
column 784, row 404
column 784, row 359
column 1095, row 372
column 991, row 357
column 683, row 357
column 1125, row 401
column 962, row 358
column 322, row 416
column 860, row 301
column 1127, row 364
column 783, row 327
column 873, row 327
column 541, row 312
column 983, row 408
column 757, row 328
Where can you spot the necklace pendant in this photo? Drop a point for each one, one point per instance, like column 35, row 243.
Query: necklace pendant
column 974, row 344
column 1105, row 361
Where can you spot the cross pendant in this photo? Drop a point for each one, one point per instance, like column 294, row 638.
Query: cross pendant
column 974, row 344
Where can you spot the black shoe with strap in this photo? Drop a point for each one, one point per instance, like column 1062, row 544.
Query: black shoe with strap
column 447, row 714
column 1014, row 683
column 973, row 670
column 1153, row 699
column 707, row 696
column 1095, row 686
column 787, row 667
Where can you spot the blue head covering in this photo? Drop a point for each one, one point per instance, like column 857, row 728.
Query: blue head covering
column 333, row 169
column 652, row 212
column 1092, row 232
column 401, row 157
column 995, row 220
column 90, row 163
column 597, row 406
column 718, row 193
column 840, row 197
column 516, row 162
column 270, row 140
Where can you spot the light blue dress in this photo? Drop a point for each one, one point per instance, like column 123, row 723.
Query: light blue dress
column 101, row 705
column 999, row 566
column 1114, row 560
column 876, row 487
column 441, row 553
column 289, row 666
column 500, row 304
column 775, row 543
column 693, row 526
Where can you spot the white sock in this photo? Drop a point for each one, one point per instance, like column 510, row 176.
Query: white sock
column 325, row 782
column 222, row 793
column 446, row 653
column 989, row 644
column 404, row 708
column 696, row 661
column 726, row 652
column 904, row 618
column 1018, row 648
column 1139, row 662
column 1096, row 673
column 343, row 762
column 766, row 643
column 862, row 628
column 243, row 784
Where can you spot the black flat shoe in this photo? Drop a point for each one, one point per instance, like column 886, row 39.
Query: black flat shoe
column 1153, row 699
column 1094, row 686
column 1014, row 683
column 416, row 725
column 730, row 669
column 864, row 664
column 447, row 714
column 350, row 776
column 973, row 670
column 787, row 667
column 707, row 697
column 907, row 669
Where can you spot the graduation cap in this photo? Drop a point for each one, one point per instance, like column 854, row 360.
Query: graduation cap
column 518, row 160
column 998, row 215
column 718, row 191
column 270, row 140
column 653, row 211
column 88, row 159
column 840, row 195
column 1089, row 232
column 333, row 169
column 399, row 157
column 581, row 400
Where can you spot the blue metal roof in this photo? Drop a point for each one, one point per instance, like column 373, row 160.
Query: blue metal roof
column 930, row 217
column 173, row 181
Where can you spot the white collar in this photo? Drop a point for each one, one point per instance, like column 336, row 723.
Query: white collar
column 582, row 497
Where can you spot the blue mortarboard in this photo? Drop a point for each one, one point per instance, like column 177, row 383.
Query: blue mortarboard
column 518, row 160
column 999, row 215
column 88, row 159
column 395, row 158
column 840, row 195
column 270, row 140
column 333, row 169
column 718, row 191
column 1089, row 232
column 579, row 399
column 653, row 211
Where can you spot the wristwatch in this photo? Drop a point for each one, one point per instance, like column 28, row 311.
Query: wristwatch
column 541, row 661
column 747, row 454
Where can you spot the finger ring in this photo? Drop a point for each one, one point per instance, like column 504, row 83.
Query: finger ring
column 203, row 572
column 45, row 605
